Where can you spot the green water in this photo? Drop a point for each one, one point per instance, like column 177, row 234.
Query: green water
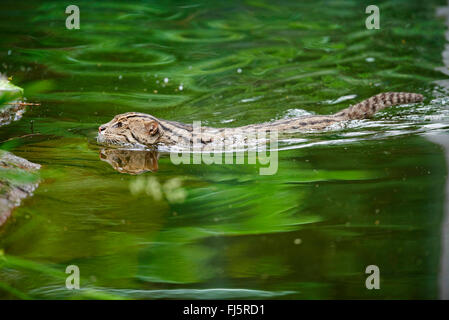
column 369, row 193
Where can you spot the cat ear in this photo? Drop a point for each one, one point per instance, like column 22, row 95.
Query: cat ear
column 152, row 127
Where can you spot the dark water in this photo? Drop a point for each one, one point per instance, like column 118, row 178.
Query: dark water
column 371, row 192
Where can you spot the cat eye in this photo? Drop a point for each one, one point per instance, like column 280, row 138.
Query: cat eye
column 117, row 125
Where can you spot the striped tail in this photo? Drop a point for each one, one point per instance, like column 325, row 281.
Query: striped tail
column 368, row 107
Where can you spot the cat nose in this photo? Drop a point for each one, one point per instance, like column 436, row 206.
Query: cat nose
column 101, row 128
